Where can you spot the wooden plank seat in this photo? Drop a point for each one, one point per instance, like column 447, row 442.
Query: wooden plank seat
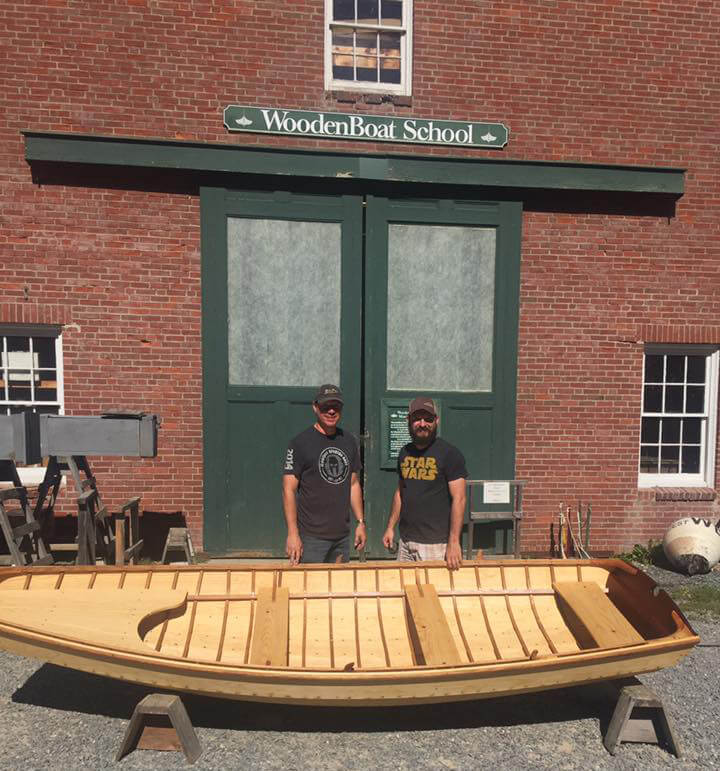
column 429, row 629
column 270, row 633
column 592, row 617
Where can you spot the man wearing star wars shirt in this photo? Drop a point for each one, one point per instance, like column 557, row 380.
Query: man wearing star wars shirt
column 321, row 486
column 429, row 501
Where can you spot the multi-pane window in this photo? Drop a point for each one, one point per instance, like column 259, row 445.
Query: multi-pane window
column 30, row 370
column 679, row 420
column 368, row 45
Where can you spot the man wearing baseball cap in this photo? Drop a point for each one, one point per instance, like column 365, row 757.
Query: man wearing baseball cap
column 429, row 502
column 321, row 486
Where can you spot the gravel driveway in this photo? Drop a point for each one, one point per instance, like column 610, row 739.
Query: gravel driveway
column 52, row 717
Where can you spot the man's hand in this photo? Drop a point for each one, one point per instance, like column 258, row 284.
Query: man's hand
column 453, row 555
column 294, row 548
column 360, row 536
column 389, row 539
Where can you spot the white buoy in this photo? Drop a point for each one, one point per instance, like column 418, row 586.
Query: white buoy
column 693, row 545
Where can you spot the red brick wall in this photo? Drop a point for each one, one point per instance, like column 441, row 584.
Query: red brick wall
column 628, row 83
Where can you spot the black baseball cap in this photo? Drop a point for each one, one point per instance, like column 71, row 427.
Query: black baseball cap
column 329, row 393
column 422, row 404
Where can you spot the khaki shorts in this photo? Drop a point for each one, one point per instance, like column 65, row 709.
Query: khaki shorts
column 409, row 551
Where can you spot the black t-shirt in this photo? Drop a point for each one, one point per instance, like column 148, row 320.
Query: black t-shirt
column 324, row 465
column 424, row 476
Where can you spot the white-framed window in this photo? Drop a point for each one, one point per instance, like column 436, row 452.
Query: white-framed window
column 679, row 416
column 368, row 45
column 31, row 377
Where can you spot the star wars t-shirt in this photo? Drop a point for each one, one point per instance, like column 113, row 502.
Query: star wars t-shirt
column 424, row 476
column 324, row 465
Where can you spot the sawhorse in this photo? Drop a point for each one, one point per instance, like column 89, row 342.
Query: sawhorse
column 24, row 541
column 93, row 517
column 652, row 725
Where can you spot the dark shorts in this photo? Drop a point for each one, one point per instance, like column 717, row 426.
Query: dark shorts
column 322, row 550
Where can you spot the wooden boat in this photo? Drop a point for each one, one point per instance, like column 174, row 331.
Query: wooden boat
column 357, row 634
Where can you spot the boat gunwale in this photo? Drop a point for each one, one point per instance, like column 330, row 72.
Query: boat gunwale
column 611, row 564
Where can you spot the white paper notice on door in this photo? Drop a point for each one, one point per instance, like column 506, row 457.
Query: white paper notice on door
column 496, row 492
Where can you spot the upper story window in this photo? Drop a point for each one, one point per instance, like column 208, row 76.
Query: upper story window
column 30, row 370
column 679, row 416
column 368, row 45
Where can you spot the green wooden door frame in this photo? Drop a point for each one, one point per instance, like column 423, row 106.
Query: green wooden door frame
column 217, row 205
column 487, row 457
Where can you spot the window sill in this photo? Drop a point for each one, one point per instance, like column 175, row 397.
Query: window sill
column 684, row 493
column 353, row 97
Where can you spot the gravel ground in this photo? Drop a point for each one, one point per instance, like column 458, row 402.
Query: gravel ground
column 54, row 717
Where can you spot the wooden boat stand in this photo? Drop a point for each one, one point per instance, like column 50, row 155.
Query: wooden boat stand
column 652, row 724
column 24, row 541
column 160, row 722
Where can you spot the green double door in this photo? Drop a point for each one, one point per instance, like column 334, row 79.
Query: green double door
column 389, row 299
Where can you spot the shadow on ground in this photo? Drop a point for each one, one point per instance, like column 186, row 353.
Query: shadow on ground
column 64, row 689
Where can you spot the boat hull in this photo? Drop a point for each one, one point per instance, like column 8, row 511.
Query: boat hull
column 200, row 665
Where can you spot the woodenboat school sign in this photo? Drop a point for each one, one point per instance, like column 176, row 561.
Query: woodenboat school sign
column 338, row 125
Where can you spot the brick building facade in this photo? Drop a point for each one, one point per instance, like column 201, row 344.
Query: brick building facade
column 109, row 252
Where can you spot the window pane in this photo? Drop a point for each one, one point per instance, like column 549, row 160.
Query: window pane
column 344, row 10
column 696, row 369
column 45, row 386
column 283, row 302
column 670, row 459
column 366, row 43
column 342, row 41
column 671, row 430
column 389, row 70
column 691, row 460
column 448, row 272
column 675, row 369
column 391, row 12
column 45, row 349
column 366, row 69
column 691, row 430
column 653, row 369
column 367, row 11
column 342, row 68
column 653, row 399
column 389, row 44
column 650, row 430
column 695, row 399
column 18, row 354
column 649, row 459
column 674, row 398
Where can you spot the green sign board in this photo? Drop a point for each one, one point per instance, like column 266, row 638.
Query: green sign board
column 375, row 128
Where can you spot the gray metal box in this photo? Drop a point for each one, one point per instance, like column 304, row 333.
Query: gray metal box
column 132, row 435
column 20, row 437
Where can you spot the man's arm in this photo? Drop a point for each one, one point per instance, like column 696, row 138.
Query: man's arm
column 293, row 545
column 453, row 553
column 356, row 504
column 388, row 538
